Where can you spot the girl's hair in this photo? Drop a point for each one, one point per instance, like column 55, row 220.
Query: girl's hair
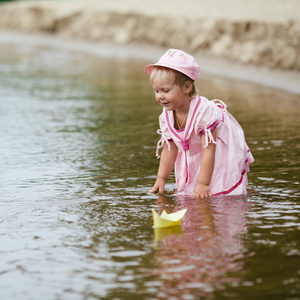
column 178, row 78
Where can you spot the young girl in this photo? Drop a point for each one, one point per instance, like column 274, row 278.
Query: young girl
column 202, row 139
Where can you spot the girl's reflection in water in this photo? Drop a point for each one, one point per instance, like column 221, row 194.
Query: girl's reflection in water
column 196, row 257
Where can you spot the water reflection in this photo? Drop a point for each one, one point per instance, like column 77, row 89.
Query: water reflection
column 196, row 257
column 78, row 140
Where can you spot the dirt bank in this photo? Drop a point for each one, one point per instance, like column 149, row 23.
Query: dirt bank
column 253, row 32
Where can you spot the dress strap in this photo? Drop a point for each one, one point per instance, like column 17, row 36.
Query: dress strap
column 208, row 137
column 219, row 103
column 161, row 142
column 222, row 106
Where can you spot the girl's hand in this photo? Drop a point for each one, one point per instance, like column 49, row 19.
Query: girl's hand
column 158, row 186
column 202, row 191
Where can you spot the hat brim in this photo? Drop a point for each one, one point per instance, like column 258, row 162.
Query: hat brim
column 149, row 68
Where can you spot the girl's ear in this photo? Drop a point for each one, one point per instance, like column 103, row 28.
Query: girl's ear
column 187, row 86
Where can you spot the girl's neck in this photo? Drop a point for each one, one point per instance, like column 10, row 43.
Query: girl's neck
column 180, row 116
column 183, row 109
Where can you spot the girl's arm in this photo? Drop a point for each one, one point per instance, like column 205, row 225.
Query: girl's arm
column 167, row 161
column 202, row 189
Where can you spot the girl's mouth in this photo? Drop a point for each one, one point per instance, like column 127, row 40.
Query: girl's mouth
column 164, row 103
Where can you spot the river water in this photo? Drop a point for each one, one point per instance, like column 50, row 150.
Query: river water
column 78, row 137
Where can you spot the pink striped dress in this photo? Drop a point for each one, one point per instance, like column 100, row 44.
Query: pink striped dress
column 232, row 156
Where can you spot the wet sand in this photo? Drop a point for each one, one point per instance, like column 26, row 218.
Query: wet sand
column 253, row 40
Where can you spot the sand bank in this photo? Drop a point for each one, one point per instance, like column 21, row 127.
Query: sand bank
column 249, row 32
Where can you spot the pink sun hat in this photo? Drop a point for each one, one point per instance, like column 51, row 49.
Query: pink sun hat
column 177, row 60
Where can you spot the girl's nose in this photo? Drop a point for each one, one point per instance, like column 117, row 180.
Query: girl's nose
column 160, row 95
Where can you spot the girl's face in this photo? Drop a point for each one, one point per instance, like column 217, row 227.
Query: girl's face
column 170, row 95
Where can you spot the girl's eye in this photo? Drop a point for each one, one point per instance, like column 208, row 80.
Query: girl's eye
column 164, row 91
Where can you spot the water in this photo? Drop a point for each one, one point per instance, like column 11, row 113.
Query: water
column 78, row 137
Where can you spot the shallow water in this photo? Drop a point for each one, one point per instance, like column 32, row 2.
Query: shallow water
column 78, row 136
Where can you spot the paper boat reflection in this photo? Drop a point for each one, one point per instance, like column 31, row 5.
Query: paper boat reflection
column 168, row 220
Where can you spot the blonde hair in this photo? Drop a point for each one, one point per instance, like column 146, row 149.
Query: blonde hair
column 178, row 78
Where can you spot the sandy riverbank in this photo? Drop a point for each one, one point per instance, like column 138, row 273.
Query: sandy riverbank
column 224, row 34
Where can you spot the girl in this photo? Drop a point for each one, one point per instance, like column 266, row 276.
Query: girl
column 202, row 139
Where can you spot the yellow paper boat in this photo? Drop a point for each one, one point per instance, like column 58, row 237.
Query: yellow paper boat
column 168, row 220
